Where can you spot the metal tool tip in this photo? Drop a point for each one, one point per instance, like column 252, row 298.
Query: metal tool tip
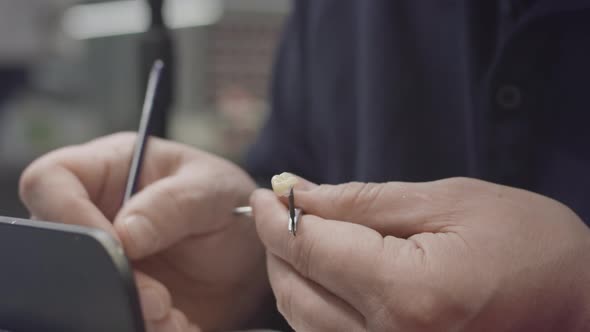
column 243, row 210
column 159, row 64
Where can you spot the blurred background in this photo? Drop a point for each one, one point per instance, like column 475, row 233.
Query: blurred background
column 74, row 70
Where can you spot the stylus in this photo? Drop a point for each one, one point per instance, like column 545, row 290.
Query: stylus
column 143, row 131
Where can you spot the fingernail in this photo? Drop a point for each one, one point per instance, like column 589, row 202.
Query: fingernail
column 143, row 236
column 152, row 304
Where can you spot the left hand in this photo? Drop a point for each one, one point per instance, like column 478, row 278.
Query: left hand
column 197, row 266
column 450, row 255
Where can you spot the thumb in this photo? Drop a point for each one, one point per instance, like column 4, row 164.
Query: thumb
column 167, row 211
column 392, row 208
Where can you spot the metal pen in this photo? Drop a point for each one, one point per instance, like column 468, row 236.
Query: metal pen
column 294, row 214
column 143, row 131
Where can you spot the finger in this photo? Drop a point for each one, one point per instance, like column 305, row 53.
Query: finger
column 171, row 209
column 394, row 208
column 158, row 216
column 81, row 184
column 308, row 306
column 337, row 255
column 84, row 184
column 54, row 193
column 175, row 321
column 99, row 168
column 156, row 302
column 301, row 184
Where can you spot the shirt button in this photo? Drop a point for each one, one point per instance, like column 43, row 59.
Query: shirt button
column 509, row 97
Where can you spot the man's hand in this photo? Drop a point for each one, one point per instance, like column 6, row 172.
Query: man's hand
column 450, row 255
column 195, row 262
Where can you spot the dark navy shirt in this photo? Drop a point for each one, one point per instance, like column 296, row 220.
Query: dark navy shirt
column 401, row 90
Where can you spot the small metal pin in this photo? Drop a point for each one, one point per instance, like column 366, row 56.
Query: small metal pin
column 143, row 132
column 294, row 214
column 293, row 222
column 243, row 211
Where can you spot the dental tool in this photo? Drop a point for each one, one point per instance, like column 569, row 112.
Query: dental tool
column 243, row 211
column 143, row 131
column 294, row 213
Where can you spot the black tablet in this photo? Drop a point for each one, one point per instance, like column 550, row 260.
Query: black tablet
column 65, row 278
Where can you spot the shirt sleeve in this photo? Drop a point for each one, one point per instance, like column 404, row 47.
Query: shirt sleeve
column 281, row 145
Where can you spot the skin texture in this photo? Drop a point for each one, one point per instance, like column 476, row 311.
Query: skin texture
column 197, row 266
column 451, row 255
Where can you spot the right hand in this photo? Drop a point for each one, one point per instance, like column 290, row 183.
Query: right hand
column 194, row 262
column 450, row 255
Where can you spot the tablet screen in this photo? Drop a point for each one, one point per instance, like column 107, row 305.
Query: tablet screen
column 64, row 278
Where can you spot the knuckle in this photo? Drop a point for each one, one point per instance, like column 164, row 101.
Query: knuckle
column 369, row 191
column 456, row 196
column 358, row 195
column 462, row 185
column 459, row 180
column 28, row 182
column 33, row 175
column 31, row 180
column 366, row 197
